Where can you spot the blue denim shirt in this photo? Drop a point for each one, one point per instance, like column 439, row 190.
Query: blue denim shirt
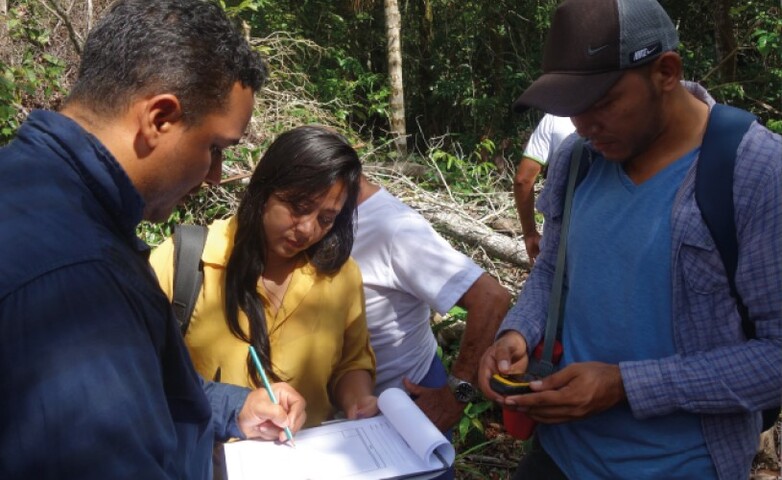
column 715, row 372
column 96, row 379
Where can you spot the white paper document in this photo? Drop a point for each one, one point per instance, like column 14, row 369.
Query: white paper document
column 399, row 443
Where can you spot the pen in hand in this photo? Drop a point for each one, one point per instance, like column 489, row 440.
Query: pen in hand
column 268, row 388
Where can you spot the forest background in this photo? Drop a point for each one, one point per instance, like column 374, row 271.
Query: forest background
column 423, row 88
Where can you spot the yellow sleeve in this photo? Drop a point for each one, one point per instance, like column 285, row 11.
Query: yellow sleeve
column 162, row 261
column 357, row 352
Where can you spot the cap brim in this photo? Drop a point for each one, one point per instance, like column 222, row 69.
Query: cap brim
column 566, row 94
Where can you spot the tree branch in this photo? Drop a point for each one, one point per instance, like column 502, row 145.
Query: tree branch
column 55, row 8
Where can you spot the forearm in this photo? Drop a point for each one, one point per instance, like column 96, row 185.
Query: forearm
column 710, row 382
column 524, row 194
column 351, row 387
column 524, row 198
column 486, row 303
column 226, row 402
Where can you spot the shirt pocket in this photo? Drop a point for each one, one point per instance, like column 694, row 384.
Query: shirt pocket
column 701, row 263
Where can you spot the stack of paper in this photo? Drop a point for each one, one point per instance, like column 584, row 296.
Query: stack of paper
column 399, row 443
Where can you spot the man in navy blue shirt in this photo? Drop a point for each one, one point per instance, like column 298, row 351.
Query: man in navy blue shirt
column 96, row 380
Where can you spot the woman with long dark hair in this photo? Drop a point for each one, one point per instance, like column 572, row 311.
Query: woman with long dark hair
column 278, row 276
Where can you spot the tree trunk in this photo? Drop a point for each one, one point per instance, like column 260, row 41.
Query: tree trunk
column 4, row 6
column 725, row 39
column 397, row 101
column 479, row 235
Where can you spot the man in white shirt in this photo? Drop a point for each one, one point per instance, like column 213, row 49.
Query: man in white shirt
column 545, row 140
column 407, row 269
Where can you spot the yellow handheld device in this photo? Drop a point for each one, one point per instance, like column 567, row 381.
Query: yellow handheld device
column 511, row 384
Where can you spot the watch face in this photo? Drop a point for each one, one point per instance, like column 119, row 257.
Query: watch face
column 465, row 392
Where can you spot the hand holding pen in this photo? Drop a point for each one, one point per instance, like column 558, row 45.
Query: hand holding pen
column 274, row 412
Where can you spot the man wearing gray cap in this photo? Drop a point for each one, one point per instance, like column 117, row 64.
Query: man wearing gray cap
column 657, row 379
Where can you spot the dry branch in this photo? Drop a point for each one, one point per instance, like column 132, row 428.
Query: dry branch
column 454, row 220
column 479, row 235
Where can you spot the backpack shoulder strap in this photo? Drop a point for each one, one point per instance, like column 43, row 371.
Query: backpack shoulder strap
column 714, row 189
column 189, row 243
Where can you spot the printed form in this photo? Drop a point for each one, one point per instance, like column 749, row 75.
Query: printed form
column 400, row 443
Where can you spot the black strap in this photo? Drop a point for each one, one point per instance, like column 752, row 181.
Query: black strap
column 545, row 365
column 714, row 195
column 189, row 243
column 714, row 190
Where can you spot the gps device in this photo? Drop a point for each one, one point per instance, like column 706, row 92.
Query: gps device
column 511, row 384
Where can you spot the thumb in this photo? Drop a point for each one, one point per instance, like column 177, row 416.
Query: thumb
column 352, row 412
column 412, row 388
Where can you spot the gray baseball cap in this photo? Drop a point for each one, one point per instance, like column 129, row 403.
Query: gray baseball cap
column 590, row 44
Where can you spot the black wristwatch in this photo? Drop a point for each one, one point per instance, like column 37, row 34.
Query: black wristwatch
column 464, row 391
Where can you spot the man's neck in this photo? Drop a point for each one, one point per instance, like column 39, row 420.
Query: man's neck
column 366, row 189
column 683, row 127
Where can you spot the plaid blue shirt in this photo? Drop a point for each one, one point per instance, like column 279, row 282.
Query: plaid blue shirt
column 715, row 372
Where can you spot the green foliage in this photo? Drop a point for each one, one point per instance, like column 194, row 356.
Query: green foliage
column 463, row 175
column 757, row 85
column 34, row 78
column 208, row 204
column 767, row 38
column 236, row 8
column 470, row 428
column 768, row 35
column 465, row 66
column 345, row 77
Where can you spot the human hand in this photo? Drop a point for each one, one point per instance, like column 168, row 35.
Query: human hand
column 353, row 395
column 507, row 355
column 260, row 418
column 363, row 407
column 438, row 404
column 577, row 391
column 532, row 245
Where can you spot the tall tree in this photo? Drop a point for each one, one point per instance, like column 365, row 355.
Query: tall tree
column 397, row 100
column 725, row 40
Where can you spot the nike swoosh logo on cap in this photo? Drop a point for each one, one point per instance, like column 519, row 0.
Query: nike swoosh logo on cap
column 639, row 55
column 594, row 51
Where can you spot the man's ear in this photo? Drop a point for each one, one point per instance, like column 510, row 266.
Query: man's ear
column 668, row 70
column 157, row 116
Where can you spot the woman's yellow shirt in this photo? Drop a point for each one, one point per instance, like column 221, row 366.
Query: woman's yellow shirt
column 318, row 334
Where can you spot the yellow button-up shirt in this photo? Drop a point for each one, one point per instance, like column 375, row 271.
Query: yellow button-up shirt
column 318, row 334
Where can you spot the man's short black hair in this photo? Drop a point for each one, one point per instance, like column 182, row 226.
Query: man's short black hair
column 188, row 48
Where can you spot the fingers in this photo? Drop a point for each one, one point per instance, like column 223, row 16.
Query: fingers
column 508, row 354
column 413, row 388
column 268, row 431
column 487, row 367
column 367, row 407
column 261, row 418
column 438, row 404
column 511, row 353
column 293, row 403
column 577, row 391
column 364, row 407
column 554, row 381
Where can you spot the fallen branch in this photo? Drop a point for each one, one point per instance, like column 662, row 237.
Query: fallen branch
column 450, row 218
column 479, row 235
